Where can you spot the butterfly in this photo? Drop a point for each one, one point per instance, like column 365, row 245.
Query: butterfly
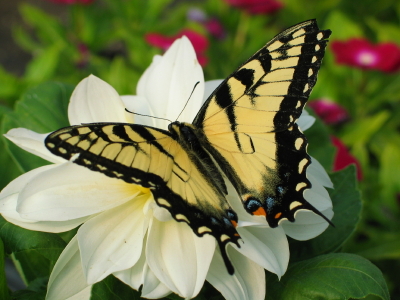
column 246, row 131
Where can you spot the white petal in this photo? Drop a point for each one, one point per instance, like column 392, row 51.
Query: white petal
column 9, row 200
column 32, row 142
column 45, row 226
column 318, row 196
column 160, row 213
column 67, row 278
column 169, row 82
column 305, row 121
column 83, row 295
column 317, row 171
column 268, row 247
column 307, row 225
column 134, row 275
column 247, row 283
column 16, row 186
column 153, row 288
column 94, row 100
column 140, row 105
column 112, row 241
column 140, row 274
column 178, row 257
column 69, row 191
column 210, row 87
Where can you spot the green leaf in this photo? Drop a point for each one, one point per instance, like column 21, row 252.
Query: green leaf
column 342, row 26
column 36, row 251
column 47, row 27
column 35, row 291
column 331, row 276
column 319, row 143
column 18, row 239
column 4, row 294
column 388, row 175
column 41, row 109
column 6, row 160
column 381, row 245
column 44, row 107
column 362, row 131
column 9, row 85
column 43, row 66
column 347, row 208
column 386, row 32
column 112, row 288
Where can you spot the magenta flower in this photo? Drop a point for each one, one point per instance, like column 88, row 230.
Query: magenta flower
column 343, row 158
column 72, row 1
column 212, row 25
column 257, row 7
column 361, row 53
column 215, row 28
column 330, row 112
column 199, row 42
column 83, row 59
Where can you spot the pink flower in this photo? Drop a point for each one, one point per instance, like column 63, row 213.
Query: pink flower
column 330, row 112
column 256, row 7
column 199, row 42
column 212, row 25
column 72, row 1
column 83, row 59
column 361, row 53
column 343, row 158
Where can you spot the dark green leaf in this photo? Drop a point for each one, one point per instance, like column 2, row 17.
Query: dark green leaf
column 36, row 251
column 319, row 144
column 5, row 159
column 44, row 107
column 112, row 288
column 333, row 276
column 347, row 208
column 35, row 291
column 381, row 245
column 41, row 109
column 4, row 294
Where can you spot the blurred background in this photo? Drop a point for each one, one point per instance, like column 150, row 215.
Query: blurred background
column 357, row 95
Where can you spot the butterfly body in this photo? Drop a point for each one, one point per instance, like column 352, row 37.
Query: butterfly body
column 245, row 132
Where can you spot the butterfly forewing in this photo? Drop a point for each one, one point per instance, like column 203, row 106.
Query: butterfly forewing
column 154, row 159
column 248, row 123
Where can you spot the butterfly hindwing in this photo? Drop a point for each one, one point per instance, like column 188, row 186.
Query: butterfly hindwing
column 154, row 159
column 248, row 123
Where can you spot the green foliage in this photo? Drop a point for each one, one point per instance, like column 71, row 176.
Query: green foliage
column 4, row 294
column 112, row 288
column 106, row 38
column 347, row 208
column 329, row 276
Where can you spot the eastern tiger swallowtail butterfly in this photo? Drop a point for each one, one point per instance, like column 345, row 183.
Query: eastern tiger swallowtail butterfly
column 248, row 127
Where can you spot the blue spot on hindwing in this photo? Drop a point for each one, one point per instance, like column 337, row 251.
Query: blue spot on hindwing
column 269, row 203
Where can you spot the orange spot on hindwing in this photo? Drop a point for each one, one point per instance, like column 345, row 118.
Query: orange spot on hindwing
column 278, row 215
column 260, row 212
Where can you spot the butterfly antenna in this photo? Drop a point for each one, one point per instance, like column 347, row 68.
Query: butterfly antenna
column 188, row 99
column 147, row 115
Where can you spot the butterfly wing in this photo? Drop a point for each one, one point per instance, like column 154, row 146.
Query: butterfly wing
column 154, row 159
column 248, row 123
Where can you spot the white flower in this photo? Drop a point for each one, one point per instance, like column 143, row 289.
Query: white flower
column 123, row 232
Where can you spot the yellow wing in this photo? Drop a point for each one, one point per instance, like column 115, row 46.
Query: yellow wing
column 248, row 123
column 179, row 180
